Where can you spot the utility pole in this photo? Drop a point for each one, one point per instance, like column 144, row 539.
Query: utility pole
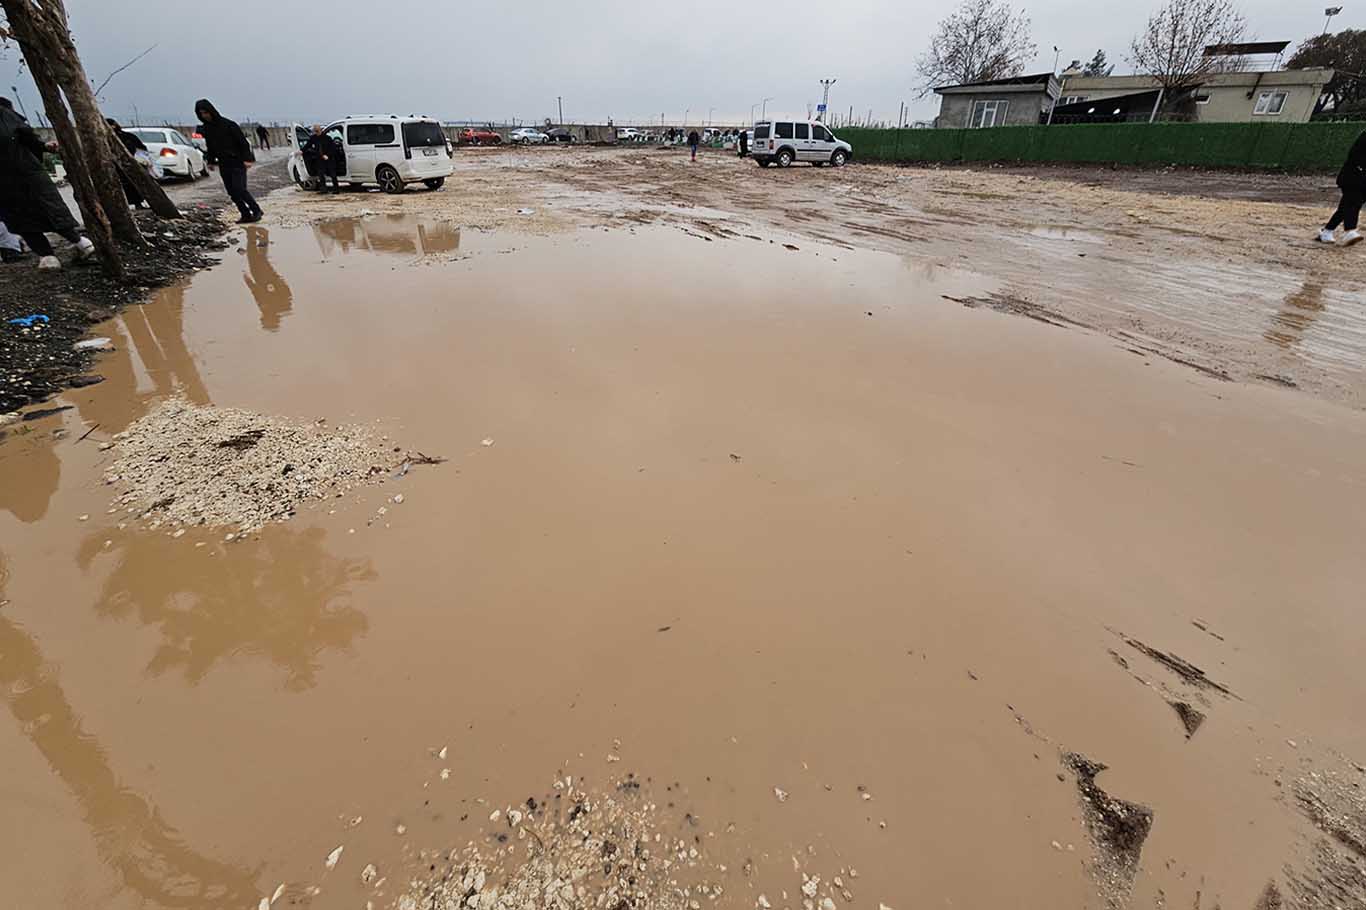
column 1330, row 12
column 825, row 99
column 763, row 114
column 560, row 101
column 901, row 115
column 710, row 110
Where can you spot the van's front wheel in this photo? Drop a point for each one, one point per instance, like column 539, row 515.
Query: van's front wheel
column 435, row 183
column 785, row 158
column 839, row 158
column 388, row 179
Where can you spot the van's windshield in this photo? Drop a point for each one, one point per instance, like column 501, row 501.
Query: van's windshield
column 423, row 133
column 761, row 131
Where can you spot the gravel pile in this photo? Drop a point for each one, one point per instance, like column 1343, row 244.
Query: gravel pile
column 183, row 465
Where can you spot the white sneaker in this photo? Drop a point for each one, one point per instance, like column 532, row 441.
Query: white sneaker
column 1326, row 236
column 1351, row 237
column 84, row 248
column 49, row 263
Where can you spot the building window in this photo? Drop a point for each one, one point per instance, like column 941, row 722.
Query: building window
column 988, row 113
column 1202, row 99
column 1269, row 103
column 1072, row 99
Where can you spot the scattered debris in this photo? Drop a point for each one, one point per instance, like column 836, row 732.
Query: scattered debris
column 1191, row 718
column 94, row 344
column 1182, row 668
column 1117, row 827
column 333, row 857
column 781, row 794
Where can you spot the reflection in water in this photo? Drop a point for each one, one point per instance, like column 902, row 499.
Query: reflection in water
column 158, row 332
column 131, row 837
column 272, row 294
column 397, row 234
column 280, row 596
column 1296, row 316
column 30, row 471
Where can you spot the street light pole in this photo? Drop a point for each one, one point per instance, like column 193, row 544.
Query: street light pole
column 1330, row 12
column 710, row 110
column 560, row 101
column 825, row 100
column 763, row 114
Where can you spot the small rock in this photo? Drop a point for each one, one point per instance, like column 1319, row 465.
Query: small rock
column 333, row 857
column 84, row 518
column 398, row 499
column 611, row 758
column 1057, row 846
column 367, row 875
column 486, row 443
column 1289, row 742
column 445, row 773
column 400, row 830
column 781, row 794
column 762, row 903
column 827, row 904
column 496, row 814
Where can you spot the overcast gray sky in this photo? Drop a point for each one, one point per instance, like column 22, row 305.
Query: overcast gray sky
column 497, row 59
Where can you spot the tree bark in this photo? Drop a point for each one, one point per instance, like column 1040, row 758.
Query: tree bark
column 146, row 184
column 97, row 226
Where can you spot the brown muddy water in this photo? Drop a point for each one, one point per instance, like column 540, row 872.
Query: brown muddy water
column 767, row 518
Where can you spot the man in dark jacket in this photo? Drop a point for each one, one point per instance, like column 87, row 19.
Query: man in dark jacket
column 694, row 140
column 134, row 145
column 262, row 136
column 323, row 150
column 742, row 142
column 230, row 152
column 1352, row 182
column 30, row 205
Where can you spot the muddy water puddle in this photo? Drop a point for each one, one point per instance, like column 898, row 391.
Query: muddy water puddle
column 829, row 564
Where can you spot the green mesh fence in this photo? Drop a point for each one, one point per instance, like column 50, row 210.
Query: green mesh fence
column 1271, row 146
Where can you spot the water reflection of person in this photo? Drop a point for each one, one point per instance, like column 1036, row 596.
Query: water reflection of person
column 271, row 292
column 130, row 834
column 1296, row 315
column 30, row 471
column 280, row 596
column 158, row 333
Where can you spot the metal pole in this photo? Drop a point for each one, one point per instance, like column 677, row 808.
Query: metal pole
column 763, row 114
column 15, row 90
column 1156, row 104
column 825, row 99
column 560, row 101
column 1056, row 99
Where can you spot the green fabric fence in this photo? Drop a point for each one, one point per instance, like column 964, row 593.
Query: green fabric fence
column 1270, row 146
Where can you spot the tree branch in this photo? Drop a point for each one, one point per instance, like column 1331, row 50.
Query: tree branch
column 124, row 67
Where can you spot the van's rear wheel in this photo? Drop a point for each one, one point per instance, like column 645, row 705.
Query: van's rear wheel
column 389, row 180
column 839, row 158
column 435, row 183
column 785, row 158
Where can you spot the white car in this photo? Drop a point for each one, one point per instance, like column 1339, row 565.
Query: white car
column 176, row 155
column 783, row 142
column 630, row 135
column 527, row 136
column 383, row 149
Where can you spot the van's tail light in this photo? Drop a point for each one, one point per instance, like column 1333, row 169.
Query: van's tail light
column 168, row 153
column 770, row 145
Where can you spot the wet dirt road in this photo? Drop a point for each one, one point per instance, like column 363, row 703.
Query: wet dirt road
column 747, row 518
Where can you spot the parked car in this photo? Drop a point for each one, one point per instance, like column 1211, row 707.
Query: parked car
column 176, row 155
column 783, row 142
column 387, row 150
column 527, row 136
column 472, row 136
column 560, row 134
column 629, row 134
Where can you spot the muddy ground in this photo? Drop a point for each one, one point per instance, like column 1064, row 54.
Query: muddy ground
column 761, row 555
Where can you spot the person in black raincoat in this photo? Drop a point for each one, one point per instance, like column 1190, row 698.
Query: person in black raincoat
column 30, row 205
column 322, row 150
column 694, row 141
column 742, row 143
column 230, row 152
column 134, row 145
column 1352, row 182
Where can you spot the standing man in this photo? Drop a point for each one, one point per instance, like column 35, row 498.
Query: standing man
column 262, row 136
column 694, row 141
column 230, row 152
column 324, row 151
column 29, row 202
column 1352, row 182
column 743, row 143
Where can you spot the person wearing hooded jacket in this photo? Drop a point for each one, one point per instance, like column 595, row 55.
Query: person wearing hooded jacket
column 1352, row 182
column 30, row 205
column 229, row 151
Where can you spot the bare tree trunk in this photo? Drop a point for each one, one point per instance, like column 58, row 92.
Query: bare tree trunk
column 145, row 183
column 97, row 226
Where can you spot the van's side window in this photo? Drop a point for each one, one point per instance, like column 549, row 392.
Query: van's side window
column 783, row 130
column 369, row 133
column 802, row 130
column 821, row 133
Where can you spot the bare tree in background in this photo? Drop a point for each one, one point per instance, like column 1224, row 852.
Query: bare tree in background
column 979, row 41
column 1172, row 47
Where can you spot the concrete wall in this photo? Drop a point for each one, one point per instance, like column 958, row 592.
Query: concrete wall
column 956, row 108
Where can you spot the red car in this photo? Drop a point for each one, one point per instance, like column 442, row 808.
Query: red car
column 480, row 137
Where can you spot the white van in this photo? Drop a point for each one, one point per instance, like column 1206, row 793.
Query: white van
column 384, row 149
column 782, row 142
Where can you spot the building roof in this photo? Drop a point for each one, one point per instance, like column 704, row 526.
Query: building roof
column 1245, row 79
column 1035, row 82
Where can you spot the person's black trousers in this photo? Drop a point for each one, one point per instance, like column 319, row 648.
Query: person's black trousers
column 235, row 182
column 1349, row 211
column 327, row 169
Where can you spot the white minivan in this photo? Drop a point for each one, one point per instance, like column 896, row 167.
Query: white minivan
column 387, row 150
column 782, row 142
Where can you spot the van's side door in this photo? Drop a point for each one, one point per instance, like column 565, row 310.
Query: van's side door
column 802, row 140
column 822, row 143
column 364, row 148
